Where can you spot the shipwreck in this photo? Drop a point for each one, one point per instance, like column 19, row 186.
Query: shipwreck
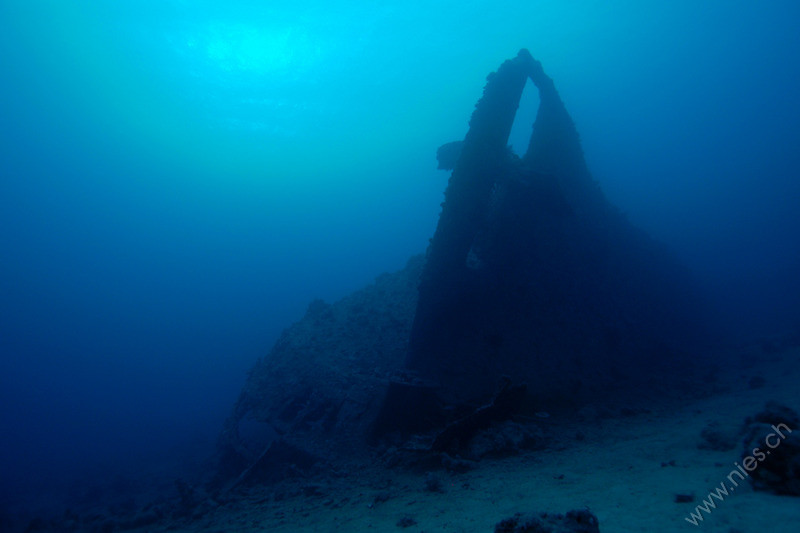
column 535, row 293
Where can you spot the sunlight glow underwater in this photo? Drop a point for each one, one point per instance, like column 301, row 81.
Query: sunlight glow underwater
column 240, row 60
column 253, row 49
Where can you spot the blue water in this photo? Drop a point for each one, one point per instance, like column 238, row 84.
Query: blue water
column 180, row 179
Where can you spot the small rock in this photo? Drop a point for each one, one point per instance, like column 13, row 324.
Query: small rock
column 406, row 521
column 381, row 497
column 433, row 483
column 581, row 521
column 505, row 439
column 718, row 438
column 776, row 413
column 771, row 452
column 456, row 464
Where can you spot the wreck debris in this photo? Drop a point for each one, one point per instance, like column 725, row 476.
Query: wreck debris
column 503, row 405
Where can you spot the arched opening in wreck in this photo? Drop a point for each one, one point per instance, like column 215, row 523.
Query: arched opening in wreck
column 523, row 121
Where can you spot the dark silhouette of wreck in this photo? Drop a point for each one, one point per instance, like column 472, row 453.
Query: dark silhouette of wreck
column 534, row 293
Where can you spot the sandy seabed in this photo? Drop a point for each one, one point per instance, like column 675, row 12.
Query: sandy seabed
column 626, row 470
